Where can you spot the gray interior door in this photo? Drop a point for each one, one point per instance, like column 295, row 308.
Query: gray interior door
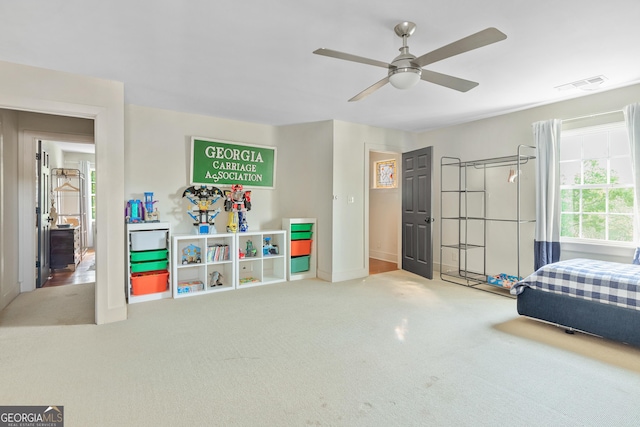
column 43, row 219
column 417, row 247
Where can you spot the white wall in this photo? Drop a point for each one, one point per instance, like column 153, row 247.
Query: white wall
column 56, row 156
column 35, row 89
column 72, row 160
column 352, row 144
column 157, row 153
column 314, row 162
column 157, row 159
column 9, row 215
column 305, row 182
column 500, row 136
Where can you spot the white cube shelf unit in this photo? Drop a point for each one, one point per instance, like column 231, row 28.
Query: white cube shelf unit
column 203, row 264
column 265, row 266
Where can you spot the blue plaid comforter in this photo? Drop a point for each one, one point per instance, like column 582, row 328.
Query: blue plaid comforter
column 606, row 282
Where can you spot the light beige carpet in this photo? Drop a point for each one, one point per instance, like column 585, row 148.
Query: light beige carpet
column 580, row 344
column 50, row 306
column 392, row 349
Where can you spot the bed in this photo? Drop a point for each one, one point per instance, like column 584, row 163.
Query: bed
column 596, row 297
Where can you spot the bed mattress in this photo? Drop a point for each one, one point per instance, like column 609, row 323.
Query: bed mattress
column 610, row 283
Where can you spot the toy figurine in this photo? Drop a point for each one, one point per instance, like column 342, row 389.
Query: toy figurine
column 53, row 214
column 215, row 279
column 137, row 211
column 268, row 248
column 150, row 214
column 134, row 211
column 203, row 197
column 251, row 251
column 237, row 203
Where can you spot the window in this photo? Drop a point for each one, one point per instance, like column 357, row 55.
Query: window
column 385, row 174
column 92, row 174
column 596, row 184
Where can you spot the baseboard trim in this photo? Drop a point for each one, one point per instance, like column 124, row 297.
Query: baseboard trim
column 383, row 256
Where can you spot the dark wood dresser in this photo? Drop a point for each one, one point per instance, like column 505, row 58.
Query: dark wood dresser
column 65, row 247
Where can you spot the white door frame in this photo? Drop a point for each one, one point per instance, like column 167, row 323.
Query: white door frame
column 39, row 90
column 368, row 148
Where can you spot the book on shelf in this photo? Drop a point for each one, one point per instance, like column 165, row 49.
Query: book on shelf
column 218, row 252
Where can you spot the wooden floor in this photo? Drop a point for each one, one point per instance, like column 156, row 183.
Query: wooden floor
column 378, row 266
column 85, row 272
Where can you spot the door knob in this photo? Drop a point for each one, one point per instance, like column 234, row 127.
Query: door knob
column 430, row 220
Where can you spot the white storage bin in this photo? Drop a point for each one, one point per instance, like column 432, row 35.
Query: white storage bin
column 148, row 240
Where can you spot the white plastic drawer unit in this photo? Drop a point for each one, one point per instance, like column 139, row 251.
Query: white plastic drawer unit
column 149, row 240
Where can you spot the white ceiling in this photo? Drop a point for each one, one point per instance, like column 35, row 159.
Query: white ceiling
column 252, row 60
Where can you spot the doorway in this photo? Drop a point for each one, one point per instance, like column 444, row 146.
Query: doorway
column 83, row 273
column 384, row 201
column 69, row 199
column 62, row 97
column 60, row 148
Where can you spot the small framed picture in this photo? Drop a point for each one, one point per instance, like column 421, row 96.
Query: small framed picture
column 385, row 174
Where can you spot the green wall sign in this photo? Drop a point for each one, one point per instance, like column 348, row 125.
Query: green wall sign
column 225, row 163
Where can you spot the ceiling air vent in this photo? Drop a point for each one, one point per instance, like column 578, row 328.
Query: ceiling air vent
column 592, row 83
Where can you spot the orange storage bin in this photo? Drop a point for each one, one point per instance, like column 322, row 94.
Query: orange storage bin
column 300, row 247
column 149, row 282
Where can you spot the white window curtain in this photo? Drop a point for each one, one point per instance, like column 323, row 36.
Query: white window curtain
column 632, row 121
column 547, row 235
column 85, row 169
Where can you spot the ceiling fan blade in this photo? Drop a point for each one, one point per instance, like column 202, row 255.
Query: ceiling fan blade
column 448, row 81
column 368, row 91
column 474, row 41
column 349, row 57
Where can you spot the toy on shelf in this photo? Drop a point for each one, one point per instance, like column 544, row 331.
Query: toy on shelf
column 203, row 197
column 189, row 286
column 191, row 254
column 215, row 279
column 137, row 211
column 237, row 203
column 251, row 251
column 150, row 213
column 268, row 248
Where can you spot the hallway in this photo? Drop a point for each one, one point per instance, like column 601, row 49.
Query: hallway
column 377, row 266
column 85, row 272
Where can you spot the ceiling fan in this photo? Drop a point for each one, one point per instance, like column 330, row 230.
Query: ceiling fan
column 406, row 69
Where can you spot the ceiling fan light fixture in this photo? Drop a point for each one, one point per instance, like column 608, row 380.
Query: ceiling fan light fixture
column 405, row 78
column 406, row 70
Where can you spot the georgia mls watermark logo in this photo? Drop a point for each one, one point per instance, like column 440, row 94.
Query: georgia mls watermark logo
column 31, row 416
